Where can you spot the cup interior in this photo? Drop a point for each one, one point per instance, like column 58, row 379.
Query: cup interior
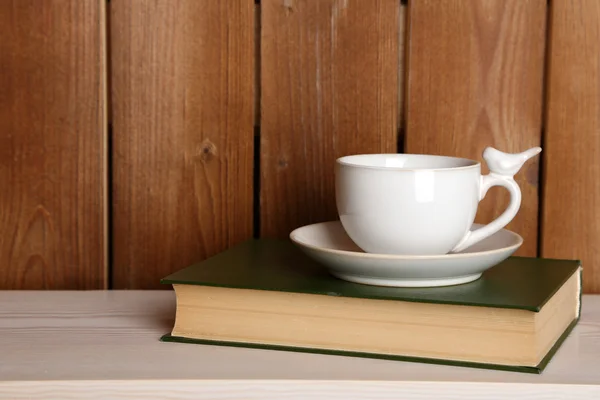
column 406, row 161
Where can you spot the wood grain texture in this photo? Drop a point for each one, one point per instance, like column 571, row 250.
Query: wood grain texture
column 401, row 64
column 571, row 187
column 183, row 98
column 475, row 79
column 329, row 87
column 104, row 344
column 52, row 144
column 290, row 390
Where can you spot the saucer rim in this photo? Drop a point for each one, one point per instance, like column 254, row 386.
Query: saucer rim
column 518, row 244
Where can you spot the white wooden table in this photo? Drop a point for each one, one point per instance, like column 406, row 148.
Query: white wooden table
column 105, row 344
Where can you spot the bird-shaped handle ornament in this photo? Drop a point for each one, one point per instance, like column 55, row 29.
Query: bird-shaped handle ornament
column 503, row 167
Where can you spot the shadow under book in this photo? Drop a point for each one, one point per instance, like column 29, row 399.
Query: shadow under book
column 265, row 293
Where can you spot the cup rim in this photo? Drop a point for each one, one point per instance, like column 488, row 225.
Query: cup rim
column 343, row 160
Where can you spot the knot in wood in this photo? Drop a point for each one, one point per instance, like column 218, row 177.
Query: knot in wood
column 282, row 163
column 288, row 5
column 208, row 150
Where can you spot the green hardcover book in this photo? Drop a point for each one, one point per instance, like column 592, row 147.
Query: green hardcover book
column 268, row 294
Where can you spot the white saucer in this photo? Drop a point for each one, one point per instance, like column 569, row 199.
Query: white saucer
column 328, row 243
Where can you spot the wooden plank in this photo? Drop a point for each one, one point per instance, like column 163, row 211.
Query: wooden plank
column 329, row 73
column 401, row 63
column 196, row 389
column 52, row 144
column 571, row 190
column 90, row 345
column 183, row 95
column 475, row 79
column 257, row 65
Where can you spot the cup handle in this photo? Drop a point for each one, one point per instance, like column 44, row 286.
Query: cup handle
column 503, row 167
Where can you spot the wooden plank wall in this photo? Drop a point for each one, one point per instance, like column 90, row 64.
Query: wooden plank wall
column 571, row 185
column 52, row 144
column 183, row 98
column 226, row 118
column 319, row 100
column 475, row 79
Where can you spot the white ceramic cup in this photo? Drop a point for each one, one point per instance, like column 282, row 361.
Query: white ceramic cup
column 422, row 204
